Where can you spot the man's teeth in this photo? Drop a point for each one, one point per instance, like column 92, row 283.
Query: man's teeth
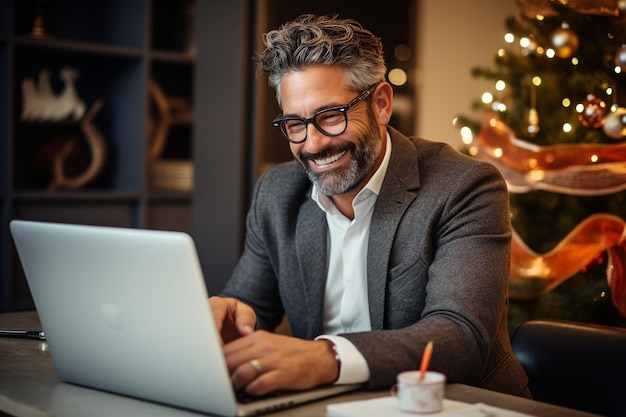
column 330, row 159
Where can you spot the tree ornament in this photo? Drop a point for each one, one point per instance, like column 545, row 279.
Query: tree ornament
column 533, row 121
column 615, row 124
column 533, row 115
column 565, row 41
column 593, row 112
column 620, row 57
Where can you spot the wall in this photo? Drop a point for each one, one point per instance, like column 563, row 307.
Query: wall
column 453, row 36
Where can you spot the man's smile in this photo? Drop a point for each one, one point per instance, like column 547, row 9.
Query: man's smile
column 329, row 159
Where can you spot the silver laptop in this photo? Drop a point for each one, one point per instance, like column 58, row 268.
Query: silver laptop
column 126, row 311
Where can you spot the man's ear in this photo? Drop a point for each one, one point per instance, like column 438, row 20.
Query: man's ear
column 382, row 102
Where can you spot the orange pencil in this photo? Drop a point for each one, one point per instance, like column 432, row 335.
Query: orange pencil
column 428, row 352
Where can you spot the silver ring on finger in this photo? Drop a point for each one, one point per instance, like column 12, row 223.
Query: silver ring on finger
column 257, row 366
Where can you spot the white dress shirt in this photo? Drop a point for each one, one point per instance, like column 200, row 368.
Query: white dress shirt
column 346, row 307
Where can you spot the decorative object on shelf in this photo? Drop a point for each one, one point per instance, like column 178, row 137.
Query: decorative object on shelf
column 39, row 30
column 98, row 152
column 159, row 122
column 171, row 174
column 164, row 173
column 168, row 111
column 40, row 104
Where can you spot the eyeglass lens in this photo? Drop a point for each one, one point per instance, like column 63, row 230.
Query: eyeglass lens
column 331, row 122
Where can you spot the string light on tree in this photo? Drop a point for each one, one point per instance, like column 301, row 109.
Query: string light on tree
column 528, row 44
column 567, row 127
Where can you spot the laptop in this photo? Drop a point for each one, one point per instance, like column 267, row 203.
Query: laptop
column 126, row 311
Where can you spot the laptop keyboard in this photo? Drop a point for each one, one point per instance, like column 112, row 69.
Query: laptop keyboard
column 245, row 398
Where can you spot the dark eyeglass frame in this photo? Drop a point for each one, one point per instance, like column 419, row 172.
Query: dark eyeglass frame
column 278, row 122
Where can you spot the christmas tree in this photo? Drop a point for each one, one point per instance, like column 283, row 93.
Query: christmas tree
column 555, row 126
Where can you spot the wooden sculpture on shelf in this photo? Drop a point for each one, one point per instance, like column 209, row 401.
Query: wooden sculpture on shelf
column 42, row 105
column 161, row 123
column 166, row 173
column 97, row 147
column 168, row 111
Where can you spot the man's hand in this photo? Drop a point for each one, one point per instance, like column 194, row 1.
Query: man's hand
column 233, row 318
column 262, row 362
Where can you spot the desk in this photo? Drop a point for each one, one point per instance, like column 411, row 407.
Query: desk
column 30, row 387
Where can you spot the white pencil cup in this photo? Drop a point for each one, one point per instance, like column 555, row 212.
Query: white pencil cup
column 421, row 397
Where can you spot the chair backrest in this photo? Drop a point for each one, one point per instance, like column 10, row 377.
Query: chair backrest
column 576, row 365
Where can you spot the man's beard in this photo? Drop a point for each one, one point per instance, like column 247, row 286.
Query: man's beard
column 345, row 179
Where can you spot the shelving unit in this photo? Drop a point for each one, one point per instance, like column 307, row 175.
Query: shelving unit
column 199, row 53
column 117, row 48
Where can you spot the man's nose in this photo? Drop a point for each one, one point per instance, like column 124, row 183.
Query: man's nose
column 315, row 140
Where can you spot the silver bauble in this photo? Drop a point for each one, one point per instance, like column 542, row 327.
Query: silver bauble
column 615, row 124
column 565, row 41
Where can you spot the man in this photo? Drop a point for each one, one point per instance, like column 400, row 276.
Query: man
column 371, row 243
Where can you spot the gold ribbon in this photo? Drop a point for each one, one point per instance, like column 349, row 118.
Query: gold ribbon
column 564, row 169
column 574, row 169
column 525, row 156
column 534, row 274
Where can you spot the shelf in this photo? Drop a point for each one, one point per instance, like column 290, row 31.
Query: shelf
column 172, row 57
column 78, row 119
column 75, row 197
column 115, row 22
column 117, row 82
column 105, row 213
column 78, row 47
column 156, row 196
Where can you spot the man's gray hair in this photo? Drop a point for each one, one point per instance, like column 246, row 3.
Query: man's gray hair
column 323, row 40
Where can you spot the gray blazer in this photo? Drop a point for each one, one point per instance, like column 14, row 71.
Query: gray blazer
column 437, row 268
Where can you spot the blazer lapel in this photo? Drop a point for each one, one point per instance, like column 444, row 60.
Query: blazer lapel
column 311, row 250
column 396, row 194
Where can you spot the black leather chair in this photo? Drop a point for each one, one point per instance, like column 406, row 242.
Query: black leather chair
column 576, row 365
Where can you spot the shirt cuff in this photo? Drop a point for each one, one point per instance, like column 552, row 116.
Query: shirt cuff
column 353, row 368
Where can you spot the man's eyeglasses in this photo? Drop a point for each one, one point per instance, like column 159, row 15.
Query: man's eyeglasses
column 332, row 121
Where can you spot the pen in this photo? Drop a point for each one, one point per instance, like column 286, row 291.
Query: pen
column 24, row 334
column 428, row 352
